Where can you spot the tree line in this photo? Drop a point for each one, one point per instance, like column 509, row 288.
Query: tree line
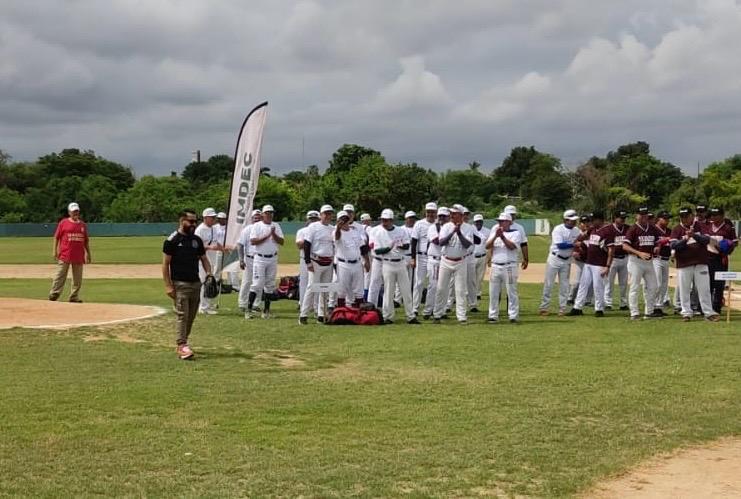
column 628, row 177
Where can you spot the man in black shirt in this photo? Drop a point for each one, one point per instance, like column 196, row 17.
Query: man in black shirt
column 182, row 252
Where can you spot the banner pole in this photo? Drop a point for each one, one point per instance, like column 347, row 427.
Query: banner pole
column 728, row 302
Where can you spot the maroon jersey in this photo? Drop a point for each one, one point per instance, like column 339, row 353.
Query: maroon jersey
column 643, row 238
column 692, row 254
column 597, row 242
column 665, row 249
column 719, row 232
column 618, row 238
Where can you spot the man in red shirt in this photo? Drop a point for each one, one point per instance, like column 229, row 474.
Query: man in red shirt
column 71, row 249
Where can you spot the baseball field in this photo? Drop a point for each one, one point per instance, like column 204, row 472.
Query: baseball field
column 550, row 407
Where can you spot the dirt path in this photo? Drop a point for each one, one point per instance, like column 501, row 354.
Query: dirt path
column 713, row 471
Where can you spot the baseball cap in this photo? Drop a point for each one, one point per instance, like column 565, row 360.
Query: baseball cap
column 348, row 207
column 326, row 208
column 478, row 217
column 387, row 214
column 584, row 218
column 341, row 214
column 570, row 215
column 504, row 216
column 221, row 215
column 209, row 212
column 73, row 207
column 621, row 214
column 642, row 211
column 665, row 214
column 312, row 214
column 466, row 210
column 716, row 210
column 256, row 212
column 510, row 209
column 685, row 211
column 701, row 207
column 267, row 208
column 443, row 212
column 364, row 217
column 409, row 214
column 431, row 206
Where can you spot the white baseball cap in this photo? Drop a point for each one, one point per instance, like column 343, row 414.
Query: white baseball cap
column 326, row 208
column 256, row 212
column 364, row 217
column 510, row 209
column 312, row 214
column 570, row 215
column 410, row 213
column 443, row 212
column 456, row 208
column 466, row 210
column 477, row 217
column 73, row 207
column 221, row 215
column 209, row 212
column 266, row 208
column 342, row 213
column 504, row 216
column 431, row 206
column 387, row 214
column 348, row 207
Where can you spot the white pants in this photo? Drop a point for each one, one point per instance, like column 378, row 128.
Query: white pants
column 661, row 269
column 474, row 288
column 433, row 273
column 303, row 283
column 591, row 275
column 396, row 274
column 264, row 272
column 480, row 272
column 641, row 270
column 244, row 288
column 620, row 268
column 420, row 277
column 697, row 274
column 214, row 258
column 332, row 300
column 315, row 301
column 556, row 267
column 577, row 279
column 504, row 276
column 452, row 273
column 350, row 280
column 376, row 281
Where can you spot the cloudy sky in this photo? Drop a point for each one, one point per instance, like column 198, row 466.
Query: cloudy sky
column 437, row 82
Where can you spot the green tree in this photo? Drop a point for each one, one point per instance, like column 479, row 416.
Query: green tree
column 12, row 206
column 152, row 199
column 720, row 185
column 21, row 176
column 368, row 185
column 413, row 186
column 279, row 194
column 216, row 169
column 348, row 157
column 76, row 163
column 95, row 195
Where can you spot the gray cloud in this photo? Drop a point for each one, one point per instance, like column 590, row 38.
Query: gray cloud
column 437, row 82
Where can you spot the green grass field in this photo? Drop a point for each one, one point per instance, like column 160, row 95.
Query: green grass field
column 544, row 408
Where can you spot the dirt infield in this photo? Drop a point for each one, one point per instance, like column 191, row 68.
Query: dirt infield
column 703, row 472
column 43, row 314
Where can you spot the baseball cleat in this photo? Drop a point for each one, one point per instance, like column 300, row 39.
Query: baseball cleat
column 624, row 307
column 608, row 308
column 474, row 309
column 686, row 318
column 388, row 321
column 249, row 315
column 303, row 321
column 545, row 313
column 659, row 313
column 656, row 314
column 635, row 317
column 184, row 352
column 53, row 297
column 713, row 318
column 413, row 321
column 463, row 323
column 492, row 320
column 320, row 320
column 599, row 313
column 75, row 301
column 514, row 321
column 574, row 312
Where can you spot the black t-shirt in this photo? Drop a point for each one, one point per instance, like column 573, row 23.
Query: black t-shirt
column 186, row 251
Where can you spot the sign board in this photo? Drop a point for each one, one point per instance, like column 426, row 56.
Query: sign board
column 728, row 276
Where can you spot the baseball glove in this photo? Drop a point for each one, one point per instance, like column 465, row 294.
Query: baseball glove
column 210, row 287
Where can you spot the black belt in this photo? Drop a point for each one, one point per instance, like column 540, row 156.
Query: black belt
column 347, row 261
column 506, row 263
column 249, row 256
column 388, row 259
column 619, row 257
column 558, row 256
column 434, row 257
column 480, row 256
column 421, row 253
column 665, row 258
column 266, row 256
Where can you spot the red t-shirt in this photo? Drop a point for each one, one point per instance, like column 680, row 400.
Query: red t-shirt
column 72, row 237
column 643, row 239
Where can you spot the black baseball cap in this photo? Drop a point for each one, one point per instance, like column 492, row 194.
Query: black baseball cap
column 642, row 211
column 685, row 211
column 665, row 214
column 701, row 207
column 716, row 211
column 585, row 218
column 621, row 214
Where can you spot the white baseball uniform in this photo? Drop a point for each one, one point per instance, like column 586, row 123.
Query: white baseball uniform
column 321, row 238
column 558, row 264
column 453, row 268
column 434, row 253
column 350, row 264
column 375, row 281
column 209, row 235
column 504, row 272
column 394, row 268
column 479, row 253
column 248, row 260
column 265, row 267
column 419, row 232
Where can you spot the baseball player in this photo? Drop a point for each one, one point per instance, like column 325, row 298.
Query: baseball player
column 367, row 223
column 662, row 254
column 390, row 244
column 71, row 249
column 619, row 267
column 434, row 254
column 266, row 237
column 473, row 288
column 479, row 253
column 512, row 211
column 691, row 255
column 246, row 260
column 504, row 245
column 580, row 255
column 563, row 241
column 303, row 279
column 721, row 230
column 351, row 255
column 410, row 218
column 209, row 235
column 455, row 239
column 319, row 250
column 640, row 242
column 375, row 278
column 420, row 242
column 596, row 268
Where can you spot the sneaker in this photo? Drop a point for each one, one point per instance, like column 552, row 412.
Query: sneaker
column 713, row 318
column 635, row 317
column 184, row 352
column 599, row 313
column 573, row 312
column 492, row 320
column 248, row 315
column 474, row 309
column 75, row 301
column 656, row 314
column 303, row 321
column 514, row 321
column 436, row 321
column 625, row 307
column 413, row 321
column 53, row 297
column 543, row 313
column 659, row 313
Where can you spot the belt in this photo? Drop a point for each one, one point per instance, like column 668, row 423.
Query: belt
column 454, row 259
column 249, row 256
column 421, row 253
column 558, row 256
column 433, row 257
column 505, row 263
column 482, row 255
column 665, row 258
column 619, row 257
column 390, row 259
column 347, row 261
column 266, row 256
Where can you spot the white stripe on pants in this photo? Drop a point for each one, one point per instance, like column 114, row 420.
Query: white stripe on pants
column 433, row 273
column 350, row 279
column 661, row 268
column 315, row 301
column 591, row 275
column 396, row 274
column 452, row 272
column 640, row 269
column 700, row 276
column 619, row 267
column 504, row 276
column 556, row 266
